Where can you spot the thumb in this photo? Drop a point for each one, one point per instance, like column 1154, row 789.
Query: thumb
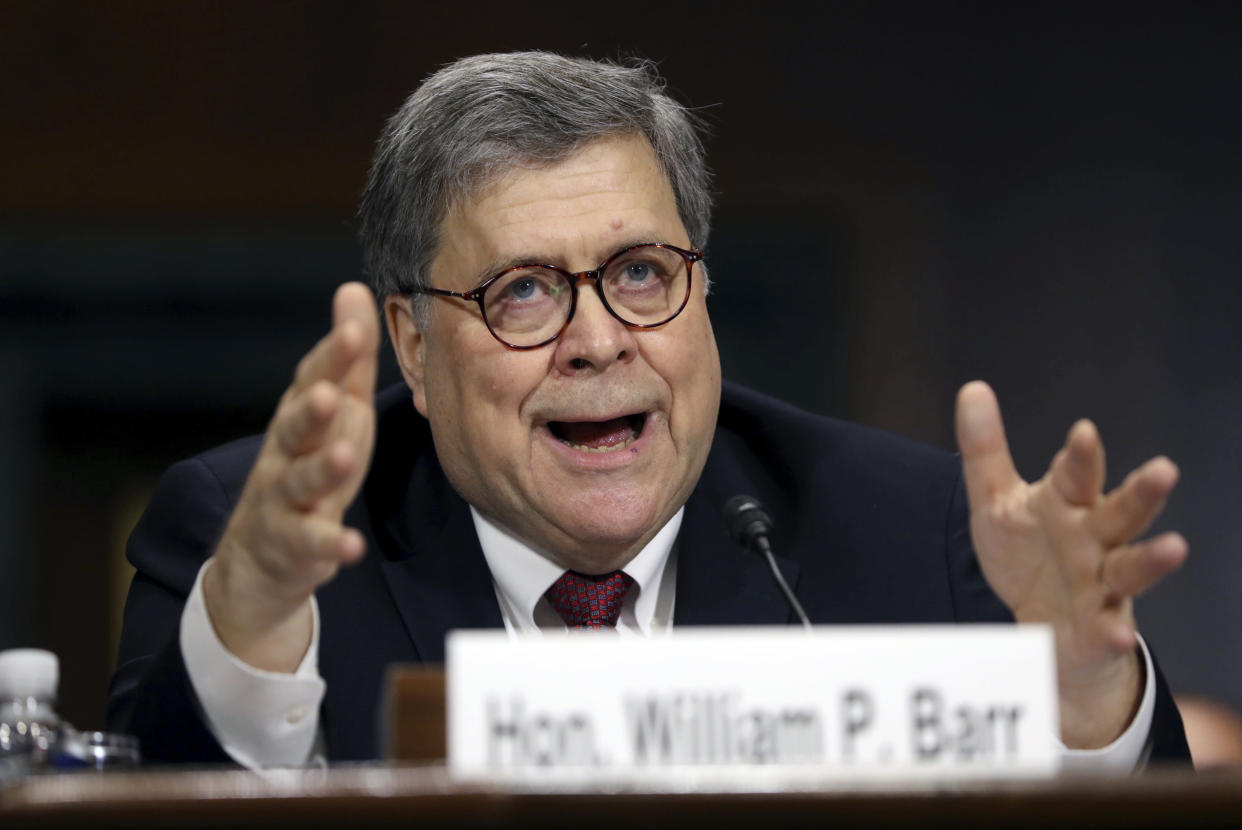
column 355, row 316
column 353, row 301
column 986, row 463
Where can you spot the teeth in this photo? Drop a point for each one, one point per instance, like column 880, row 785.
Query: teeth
column 613, row 448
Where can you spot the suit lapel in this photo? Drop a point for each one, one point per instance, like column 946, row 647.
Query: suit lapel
column 438, row 578
column 441, row 582
column 719, row 583
column 433, row 567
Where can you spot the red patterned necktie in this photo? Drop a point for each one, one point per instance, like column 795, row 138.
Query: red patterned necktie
column 590, row 602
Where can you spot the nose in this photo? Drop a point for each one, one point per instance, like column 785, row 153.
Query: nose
column 594, row 340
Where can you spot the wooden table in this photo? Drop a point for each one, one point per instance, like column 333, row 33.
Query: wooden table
column 427, row 796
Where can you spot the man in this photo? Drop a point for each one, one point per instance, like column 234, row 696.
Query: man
column 533, row 228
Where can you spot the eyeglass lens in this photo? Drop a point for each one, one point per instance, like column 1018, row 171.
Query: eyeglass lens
column 643, row 286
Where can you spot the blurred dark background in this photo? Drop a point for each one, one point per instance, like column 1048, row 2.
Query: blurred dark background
column 910, row 196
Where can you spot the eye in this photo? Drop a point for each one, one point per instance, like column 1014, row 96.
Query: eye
column 638, row 272
column 523, row 289
column 526, row 287
column 525, row 293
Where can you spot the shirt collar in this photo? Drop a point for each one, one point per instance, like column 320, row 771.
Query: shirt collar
column 521, row 574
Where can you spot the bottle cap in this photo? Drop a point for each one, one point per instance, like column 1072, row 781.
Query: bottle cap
column 28, row 672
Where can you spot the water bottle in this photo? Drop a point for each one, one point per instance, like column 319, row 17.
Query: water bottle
column 30, row 731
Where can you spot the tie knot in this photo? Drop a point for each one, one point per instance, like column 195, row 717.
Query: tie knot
column 591, row 602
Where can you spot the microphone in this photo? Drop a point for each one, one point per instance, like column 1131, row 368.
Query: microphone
column 750, row 525
column 748, row 522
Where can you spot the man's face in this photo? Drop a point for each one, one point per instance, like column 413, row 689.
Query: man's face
column 509, row 426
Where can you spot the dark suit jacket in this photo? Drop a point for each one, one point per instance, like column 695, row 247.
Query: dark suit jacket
column 869, row 528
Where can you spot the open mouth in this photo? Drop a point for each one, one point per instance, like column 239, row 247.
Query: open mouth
column 599, row 436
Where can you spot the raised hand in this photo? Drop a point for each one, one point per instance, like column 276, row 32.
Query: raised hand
column 285, row 537
column 1059, row 550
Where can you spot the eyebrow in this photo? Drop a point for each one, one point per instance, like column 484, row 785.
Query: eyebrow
column 496, row 266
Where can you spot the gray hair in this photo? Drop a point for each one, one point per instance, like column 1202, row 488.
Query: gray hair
column 480, row 117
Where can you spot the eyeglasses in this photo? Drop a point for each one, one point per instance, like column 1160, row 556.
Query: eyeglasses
column 528, row 306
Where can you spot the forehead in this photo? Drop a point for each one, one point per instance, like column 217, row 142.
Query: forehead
column 609, row 193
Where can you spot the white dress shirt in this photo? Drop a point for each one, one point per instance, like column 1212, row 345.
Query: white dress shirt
column 269, row 719
column 522, row 575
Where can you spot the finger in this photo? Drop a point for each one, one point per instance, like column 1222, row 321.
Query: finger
column 1078, row 469
column 350, row 545
column 304, row 416
column 310, row 478
column 294, row 547
column 314, row 543
column 1130, row 570
column 1111, row 623
column 986, row 462
column 328, row 539
column 353, row 309
column 1130, row 509
column 331, row 357
column 1111, row 626
column 353, row 333
column 1121, row 635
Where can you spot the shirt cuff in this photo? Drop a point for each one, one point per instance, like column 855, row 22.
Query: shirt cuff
column 1128, row 753
column 261, row 718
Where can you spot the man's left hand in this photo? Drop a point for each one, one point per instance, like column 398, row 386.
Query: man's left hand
column 1061, row 551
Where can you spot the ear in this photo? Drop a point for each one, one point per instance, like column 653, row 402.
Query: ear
column 408, row 342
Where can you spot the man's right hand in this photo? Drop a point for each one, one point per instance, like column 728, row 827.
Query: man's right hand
column 285, row 537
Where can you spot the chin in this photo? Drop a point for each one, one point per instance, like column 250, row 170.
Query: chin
column 606, row 533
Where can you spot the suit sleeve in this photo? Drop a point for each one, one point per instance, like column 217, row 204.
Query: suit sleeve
column 150, row 695
column 1167, row 739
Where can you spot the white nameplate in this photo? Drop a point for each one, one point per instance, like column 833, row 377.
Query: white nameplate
column 855, row 701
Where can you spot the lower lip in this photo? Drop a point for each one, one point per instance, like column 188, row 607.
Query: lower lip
column 604, row 460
